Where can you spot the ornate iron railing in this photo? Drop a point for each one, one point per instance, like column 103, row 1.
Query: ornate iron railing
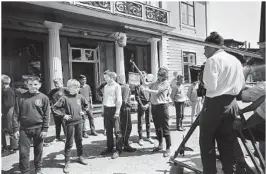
column 127, row 8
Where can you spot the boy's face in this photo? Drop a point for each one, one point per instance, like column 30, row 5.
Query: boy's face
column 5, row 85
column 73, row 90
column 33, row 86
column 58, row 84
column 107, row 78
column 83, row 81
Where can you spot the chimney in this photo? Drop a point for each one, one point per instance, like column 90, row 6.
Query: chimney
column 249, row 45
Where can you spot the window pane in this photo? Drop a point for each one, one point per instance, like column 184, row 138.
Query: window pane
column 191, row 21
column 190, row 2
column 190, row 11
column 89, row 55
column 185, row 59
column 183, row 8
column 184, row 19
column 76, row 54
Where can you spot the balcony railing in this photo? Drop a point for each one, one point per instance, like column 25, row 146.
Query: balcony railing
column 127, row 8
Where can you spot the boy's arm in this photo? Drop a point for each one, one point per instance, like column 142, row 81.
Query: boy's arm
column 138, row 96
column 56, row 107
column 85, row 103
column 46, row 116
column 189, row 91
column 173, row 93
column 15, row 122
column 118, row 100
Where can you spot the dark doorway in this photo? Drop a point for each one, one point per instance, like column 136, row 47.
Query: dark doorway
column 88, row 70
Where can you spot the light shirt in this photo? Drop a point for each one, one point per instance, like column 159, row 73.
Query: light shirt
column 112, row 94
column 192, row 92
column 162, row 96
column 223, row 74
column 173, row 82
column 254, row 93
column 178, row 93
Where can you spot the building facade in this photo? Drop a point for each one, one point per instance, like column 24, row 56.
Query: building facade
column 65, row 39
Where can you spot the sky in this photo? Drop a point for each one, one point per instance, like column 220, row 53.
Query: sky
column 236, row 20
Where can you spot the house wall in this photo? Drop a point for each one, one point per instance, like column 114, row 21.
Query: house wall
column 200, row 19
column 173, row 54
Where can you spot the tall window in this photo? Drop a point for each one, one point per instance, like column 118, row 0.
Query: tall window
column 188, row 13
column 189, row 59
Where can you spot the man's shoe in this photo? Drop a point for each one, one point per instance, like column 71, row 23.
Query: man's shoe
column 140, row 142
column 150, row 140
column 129, row 149
column 94, row 133
column 166, row 153
column 67, row 167
column 82, row 160
column 106, row 151
column 115, row 155
column 85, row 135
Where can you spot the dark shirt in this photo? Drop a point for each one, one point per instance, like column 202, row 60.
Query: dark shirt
column 31, row 111
column 72, row 105
column 8, row 100
column 85, row 91
column 142, row 97
column 125, row 91
column 100, row 89
column 55, row 94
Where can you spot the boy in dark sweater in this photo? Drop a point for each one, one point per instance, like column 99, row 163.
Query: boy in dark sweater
column 31, row 121
column 54, row 95
column 72, row 104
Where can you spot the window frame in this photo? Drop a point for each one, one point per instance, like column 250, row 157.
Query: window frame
column 186, row 25
column 188, row 63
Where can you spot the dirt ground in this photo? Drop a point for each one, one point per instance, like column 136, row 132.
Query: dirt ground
column 143, row 161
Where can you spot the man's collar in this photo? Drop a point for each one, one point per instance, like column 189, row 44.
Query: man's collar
column 218, row 51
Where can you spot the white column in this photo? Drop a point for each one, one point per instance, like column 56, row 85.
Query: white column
column 154, row 56
column 119, row 54
column 55, row 64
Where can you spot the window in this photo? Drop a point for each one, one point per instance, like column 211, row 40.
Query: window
column 189, row 59
column 153, row 3
column 188, row 13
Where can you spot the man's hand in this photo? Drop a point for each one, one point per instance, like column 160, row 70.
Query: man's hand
column 68, row 117
column 145, row 107
column 43, row 135
column 16, row 135
column 116, row 115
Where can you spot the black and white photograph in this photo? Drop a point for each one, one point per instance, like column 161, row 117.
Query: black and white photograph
column 133, row 87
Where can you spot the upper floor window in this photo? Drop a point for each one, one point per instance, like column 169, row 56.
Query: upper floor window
column 188, row 13
column 154, row 3
column 189, row 59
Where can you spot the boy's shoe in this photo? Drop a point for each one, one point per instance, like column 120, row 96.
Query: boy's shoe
column 85, row 135
column 94, row 133
column 150, row 140
column 82, row 160
column 106, row 151
column 157, row 149
column 67, row 167
column 129, row 149
column 140, row 142
column 180, row 129
column 166, row 153
column 115, row 155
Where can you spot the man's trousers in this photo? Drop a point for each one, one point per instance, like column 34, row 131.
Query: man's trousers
column 216, row 123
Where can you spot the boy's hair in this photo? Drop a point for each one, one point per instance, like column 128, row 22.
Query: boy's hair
column 81, row 76
column 73, row 83
column 105, row 72
column 56, row 80
column 33, row 78
column 164, row 72
column 5, row 79
column 112, row 75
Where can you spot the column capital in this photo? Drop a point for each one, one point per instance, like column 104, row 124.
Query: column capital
column 52, row 25
column 116, row 35
column 153, row 39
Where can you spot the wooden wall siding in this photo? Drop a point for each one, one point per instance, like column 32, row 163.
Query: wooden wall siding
column 173, row 55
